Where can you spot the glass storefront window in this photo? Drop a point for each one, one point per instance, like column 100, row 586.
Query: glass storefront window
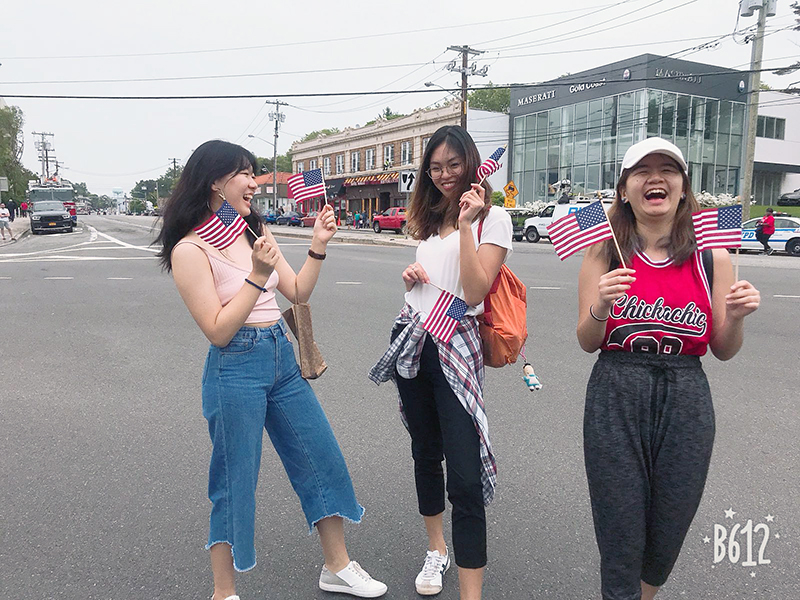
column 737, row 118
column 519, row 129
column 653, row 110
column 712, row 111
column 668, row 116
column 579, row 180
column 724, row 118
column 625, row 120
column 592, row 178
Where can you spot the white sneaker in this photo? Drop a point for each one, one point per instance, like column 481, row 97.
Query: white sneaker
column 351, row 580
column 429, row 580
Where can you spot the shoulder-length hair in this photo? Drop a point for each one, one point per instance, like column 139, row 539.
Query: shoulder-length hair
column 680, row 244
column 429, row 210
column 188, row 205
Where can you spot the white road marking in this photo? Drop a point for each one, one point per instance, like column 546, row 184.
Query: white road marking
column 5, row 277
column 784, row 296
column 59, row 278
column 58, row 258
column 119, row 278
column 348, row 283
column 544, row 287
column 125, row 244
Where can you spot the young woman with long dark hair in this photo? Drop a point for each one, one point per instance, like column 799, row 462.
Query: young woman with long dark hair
column 251, row 380
column 441, row 382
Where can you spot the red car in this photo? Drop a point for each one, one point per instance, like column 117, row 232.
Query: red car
column 309, row 219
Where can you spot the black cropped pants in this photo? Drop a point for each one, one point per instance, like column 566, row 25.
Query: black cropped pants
column 441, row 429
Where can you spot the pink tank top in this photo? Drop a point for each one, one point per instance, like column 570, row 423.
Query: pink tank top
column 667, row 310
column 229, row 279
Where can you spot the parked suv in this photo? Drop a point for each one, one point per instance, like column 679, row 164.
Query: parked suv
column 50, row 215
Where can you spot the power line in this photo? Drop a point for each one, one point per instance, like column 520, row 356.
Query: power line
column 350, row 38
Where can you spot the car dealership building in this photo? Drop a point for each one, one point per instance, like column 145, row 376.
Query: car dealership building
column 579, row 126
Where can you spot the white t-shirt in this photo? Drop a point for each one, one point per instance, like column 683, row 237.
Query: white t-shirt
column 4, row 214
column 440, row 259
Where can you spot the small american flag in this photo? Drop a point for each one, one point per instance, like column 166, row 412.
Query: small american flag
column 443, row 319
column 223, row 227
column 718, row 227
column 579, row 230
column 491, row 164
column 308, row 184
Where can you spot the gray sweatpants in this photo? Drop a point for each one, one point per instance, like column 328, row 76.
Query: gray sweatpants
column 648, row 433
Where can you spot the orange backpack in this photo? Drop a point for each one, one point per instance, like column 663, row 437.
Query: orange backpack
column 503, row 324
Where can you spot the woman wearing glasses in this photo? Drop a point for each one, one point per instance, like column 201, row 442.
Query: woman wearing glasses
column 440, row 378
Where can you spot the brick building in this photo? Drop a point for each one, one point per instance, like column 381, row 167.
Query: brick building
column 362, row 165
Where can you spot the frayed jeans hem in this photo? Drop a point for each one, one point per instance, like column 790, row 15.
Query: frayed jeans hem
column 233, row 556
column 340, row 515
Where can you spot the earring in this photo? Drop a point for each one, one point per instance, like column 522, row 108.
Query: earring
column 624, row 199
column 222, row 195
column 683, row 196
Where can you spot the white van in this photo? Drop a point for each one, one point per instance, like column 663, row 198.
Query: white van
column 535, row 228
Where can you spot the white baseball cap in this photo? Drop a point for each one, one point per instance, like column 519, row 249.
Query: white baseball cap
column 653, row 145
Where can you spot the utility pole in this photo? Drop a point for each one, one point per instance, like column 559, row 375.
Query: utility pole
column 174, row 167
column 765, row 8
column 465, row 71
column 44, row 147
column 279, row 118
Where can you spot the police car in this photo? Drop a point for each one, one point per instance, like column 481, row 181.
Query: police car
column 785, row 239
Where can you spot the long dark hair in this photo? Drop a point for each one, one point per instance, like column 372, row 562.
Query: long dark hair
column 429, row 210
column 681, row 242
column 187, row 206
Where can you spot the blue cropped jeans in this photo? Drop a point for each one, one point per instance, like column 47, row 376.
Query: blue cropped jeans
column 250, row 385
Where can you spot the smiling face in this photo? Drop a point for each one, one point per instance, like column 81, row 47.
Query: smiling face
column 654, row 187
column 447, row 171
column 238, row 188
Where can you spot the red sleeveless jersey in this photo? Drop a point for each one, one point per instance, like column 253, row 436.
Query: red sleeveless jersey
column 667, row 310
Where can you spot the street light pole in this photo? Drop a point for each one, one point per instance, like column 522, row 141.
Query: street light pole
column 279, row 118
column 274, row 161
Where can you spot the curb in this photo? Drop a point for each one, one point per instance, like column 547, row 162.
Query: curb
column 343, row 238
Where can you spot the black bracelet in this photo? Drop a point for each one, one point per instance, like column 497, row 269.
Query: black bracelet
column 313, row 254
column 594, row 316
column 255, row 285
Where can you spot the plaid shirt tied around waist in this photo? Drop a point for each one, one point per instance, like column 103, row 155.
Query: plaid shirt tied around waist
column 462, row 364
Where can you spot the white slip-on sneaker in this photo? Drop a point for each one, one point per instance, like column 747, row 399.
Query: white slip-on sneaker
column 429, row 580
column 351, row 580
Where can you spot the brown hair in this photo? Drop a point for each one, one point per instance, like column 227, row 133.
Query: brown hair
column 429, row 210
column 681, row 242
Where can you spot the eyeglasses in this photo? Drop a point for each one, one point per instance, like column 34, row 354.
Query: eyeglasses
column 453, row 169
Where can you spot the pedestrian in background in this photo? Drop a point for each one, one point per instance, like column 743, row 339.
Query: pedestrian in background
column 764, row 229
column 23, row 209
column 251, row 380
column 4, row 222
column 12, row 210
column 440, row 379
column 648, row 420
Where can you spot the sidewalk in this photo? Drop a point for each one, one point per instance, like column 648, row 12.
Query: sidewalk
column 19, row 228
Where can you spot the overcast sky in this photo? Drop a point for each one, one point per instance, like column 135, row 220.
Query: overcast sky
column 182, row 48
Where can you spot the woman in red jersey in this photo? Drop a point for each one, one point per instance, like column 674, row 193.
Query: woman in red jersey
column 649, row 420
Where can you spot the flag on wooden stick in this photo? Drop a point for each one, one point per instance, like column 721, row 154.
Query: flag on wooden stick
column 222, row 228
column 580, row 229
column 491, row 164
column 718, row 227
column 445, row 316
column 308, row 184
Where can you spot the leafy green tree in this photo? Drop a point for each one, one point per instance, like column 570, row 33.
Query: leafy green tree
column 136, row 206
column 11, row 146
column 315, row 134
column 264, row 165
column 492, row 98
column 498, row 198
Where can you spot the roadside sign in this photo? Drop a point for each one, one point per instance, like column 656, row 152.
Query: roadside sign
column 3, row 184
column 511, row 189
column 407, row 181
column 510, row 202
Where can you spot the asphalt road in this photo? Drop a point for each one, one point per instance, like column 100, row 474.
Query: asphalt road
column 104, row 449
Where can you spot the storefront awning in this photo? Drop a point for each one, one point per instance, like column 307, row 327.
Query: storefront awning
column 334, row 187
column 377, row 179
